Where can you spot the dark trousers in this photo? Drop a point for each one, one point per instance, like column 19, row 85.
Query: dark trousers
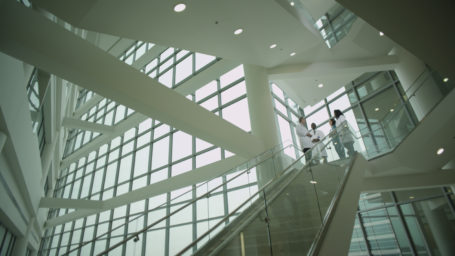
column 307, row 154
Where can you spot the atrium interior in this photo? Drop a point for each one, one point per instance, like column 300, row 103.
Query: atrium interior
column 170, row 127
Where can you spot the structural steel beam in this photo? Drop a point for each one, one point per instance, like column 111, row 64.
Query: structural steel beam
column 64, row 54
column 180, row 181
column 85, row 125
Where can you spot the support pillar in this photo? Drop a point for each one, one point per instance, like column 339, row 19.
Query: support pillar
column 21, row 244
column 440, row 227
column 417, row 83
column 262, row 116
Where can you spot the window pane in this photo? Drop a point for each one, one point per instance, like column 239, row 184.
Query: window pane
column 232, row 76
column 342, row 103
column 166, row 78
column 238, row 115
column 202, row 60
column 182, row 167
column 184, row 69
column 210, row 104
column 141, row 161
column 125, row 169
column 318, row 118
column 181, row 145
column 278, row 92
column 206, row 90
column 233, row 93
column 160, row 153
column 208, row 157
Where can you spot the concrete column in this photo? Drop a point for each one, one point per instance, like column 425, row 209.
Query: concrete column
column 262, row 117
column 260, row 105
column 20, row 247
column 440, row 227
column 419, row 86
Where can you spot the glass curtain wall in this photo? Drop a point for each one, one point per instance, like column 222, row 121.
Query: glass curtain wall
column 36, row 109
column 411, row 222
column 7, row 241
column 171, row 67
column 146, row 154
column 373, row 104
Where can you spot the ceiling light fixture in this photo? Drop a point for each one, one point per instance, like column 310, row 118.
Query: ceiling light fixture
column 292, row 53
column 440, row 151
column 313, row 182
column 445, row 80
column 411, row 197
column 391, row 110
column 320, row 85
column 272, row 46
column 381, row 33
column 292, row 3
column 376, row 109
column 238, row 31
column 179, row 7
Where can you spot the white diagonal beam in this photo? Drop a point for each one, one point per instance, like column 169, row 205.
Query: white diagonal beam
column 88, row 126
column 53, row 202
column 148, row 56
column 333, row 67
column 188, row 87
column 76, row 60
column 409, row 181
column 207, row 75
column 118, row 130
column 180, row 181
column 95, row 99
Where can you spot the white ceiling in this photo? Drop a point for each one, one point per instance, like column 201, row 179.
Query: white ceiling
column 207, row 26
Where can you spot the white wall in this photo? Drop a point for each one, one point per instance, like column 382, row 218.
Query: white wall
column 20, row 163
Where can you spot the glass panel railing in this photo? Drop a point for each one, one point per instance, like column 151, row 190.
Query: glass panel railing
column 241, row 174
column 387, row 132
column 285, row 214
column 266, row 166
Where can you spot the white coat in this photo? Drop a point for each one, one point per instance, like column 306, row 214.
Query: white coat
column 302, row 131
column 343, row 130
column 319, row 149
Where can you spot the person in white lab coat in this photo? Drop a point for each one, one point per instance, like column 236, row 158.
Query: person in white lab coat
column 304, row 138
column 319, row 149
column 345, row 135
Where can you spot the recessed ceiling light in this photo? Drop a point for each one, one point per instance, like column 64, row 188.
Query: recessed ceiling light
column 381, row 33
column 179, row 7
column 313, row 182
column 238, row 31
column 320, row 85
column 411, row 197
column 391, row 110
column 272, row 46
column 376, row 109
column 445, row 80
column 292, row 53
column 292, row 3
column 440, row 151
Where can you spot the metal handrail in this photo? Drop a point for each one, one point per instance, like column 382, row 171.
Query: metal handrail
column 135, row 234
column 266, row 185
column 281, row 146
column 316, row 246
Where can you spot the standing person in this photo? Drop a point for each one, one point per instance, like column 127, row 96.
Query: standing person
column 345, row 135
column 317, row 136
column 304, row 137
column 336, row 139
